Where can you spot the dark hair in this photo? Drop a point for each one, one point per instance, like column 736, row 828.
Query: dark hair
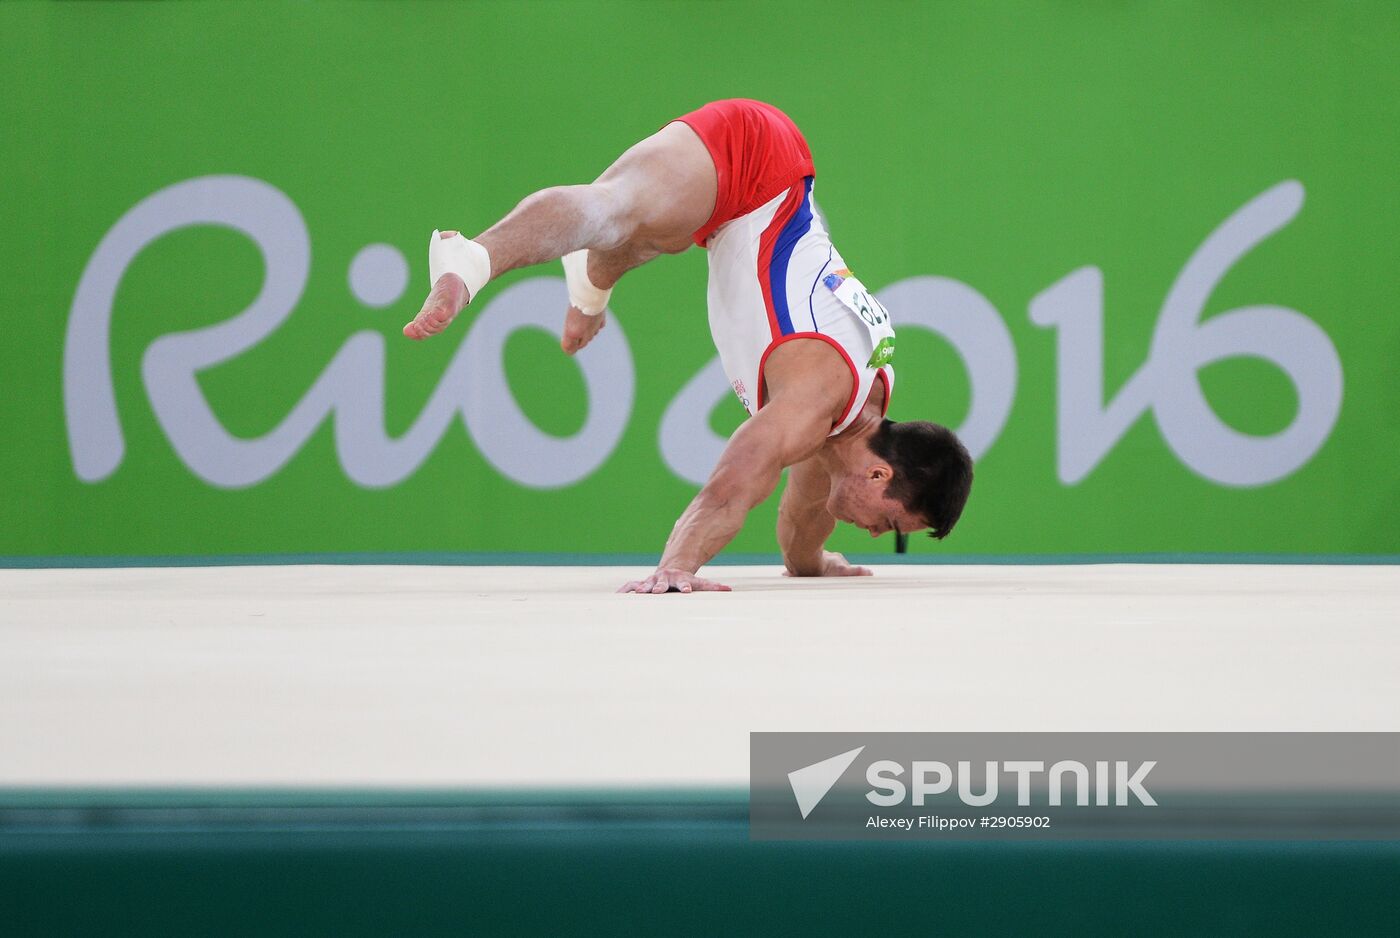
column 932, row 470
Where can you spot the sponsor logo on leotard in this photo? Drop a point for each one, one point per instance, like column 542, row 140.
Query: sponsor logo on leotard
column 883, row 354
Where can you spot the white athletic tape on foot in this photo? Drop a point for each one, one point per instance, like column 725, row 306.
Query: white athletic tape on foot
column 582, row 293
column 460, row 256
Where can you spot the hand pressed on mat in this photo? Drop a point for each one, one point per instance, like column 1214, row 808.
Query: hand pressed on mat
column 670, row 580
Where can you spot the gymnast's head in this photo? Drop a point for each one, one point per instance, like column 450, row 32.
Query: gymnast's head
column 918, row 475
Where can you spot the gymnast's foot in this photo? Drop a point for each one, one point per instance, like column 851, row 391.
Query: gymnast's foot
column 448, row 298
column 579, row 329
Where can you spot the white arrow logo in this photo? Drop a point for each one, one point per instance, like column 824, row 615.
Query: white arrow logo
column 811, row 783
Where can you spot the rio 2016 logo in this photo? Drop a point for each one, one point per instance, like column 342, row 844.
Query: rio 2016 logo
column 350, row 389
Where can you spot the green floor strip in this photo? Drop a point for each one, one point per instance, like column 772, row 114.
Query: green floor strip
column 484, row 559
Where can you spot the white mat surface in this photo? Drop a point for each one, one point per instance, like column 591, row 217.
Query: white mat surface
column 491, row 676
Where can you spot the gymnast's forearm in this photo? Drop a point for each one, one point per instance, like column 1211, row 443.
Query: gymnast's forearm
column 802, row 533
column 710, row 522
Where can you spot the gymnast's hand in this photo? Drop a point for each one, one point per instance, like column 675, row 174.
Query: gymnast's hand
column 670, row 580
column 834, row 564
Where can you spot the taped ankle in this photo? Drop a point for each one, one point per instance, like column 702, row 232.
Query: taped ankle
column 461, row 256
column 582, row 293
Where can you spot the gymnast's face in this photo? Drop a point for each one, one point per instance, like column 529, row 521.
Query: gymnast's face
column 862, row 499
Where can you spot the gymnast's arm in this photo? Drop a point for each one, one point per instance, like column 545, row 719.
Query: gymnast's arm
column 804, row 524
column 783, row 433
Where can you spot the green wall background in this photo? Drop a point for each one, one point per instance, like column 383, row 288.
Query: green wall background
column 1001, row 145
